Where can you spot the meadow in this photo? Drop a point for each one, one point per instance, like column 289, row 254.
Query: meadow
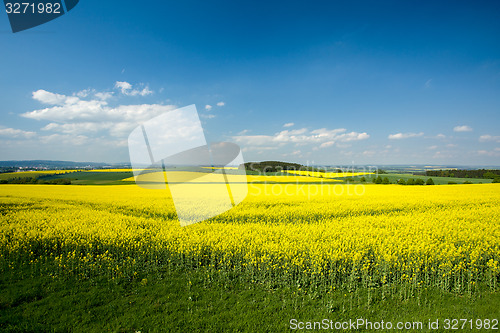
column 374, row 244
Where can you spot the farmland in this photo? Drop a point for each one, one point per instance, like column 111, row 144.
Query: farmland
column 375, row 244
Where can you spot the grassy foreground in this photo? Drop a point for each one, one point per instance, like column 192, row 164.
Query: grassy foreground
column 183, row 301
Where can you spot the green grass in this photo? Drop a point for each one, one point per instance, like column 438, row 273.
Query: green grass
column 6, row 176
column 193, row 301
column 94, row 178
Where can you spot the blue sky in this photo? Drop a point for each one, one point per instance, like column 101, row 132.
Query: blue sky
column 386, row 82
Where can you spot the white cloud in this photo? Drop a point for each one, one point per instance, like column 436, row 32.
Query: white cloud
column 104, row 95
column 47, row 97
column 88, row 92
column 221, row 104
column 127, row 89
column 462, row 128
column 16, row 133
column 245, row 131
column 428, row 84
column 432, row 147
column 123, row 86
column 97, row 111
column 440, row 136
column 353, row 136
column 84, row 93
column 288, row 125
column 76, row 116
column 399, row 136
column 324, row 137
column 489, row 138
column 208, row 107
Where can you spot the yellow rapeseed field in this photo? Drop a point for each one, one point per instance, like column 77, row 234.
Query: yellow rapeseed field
column 327, row 235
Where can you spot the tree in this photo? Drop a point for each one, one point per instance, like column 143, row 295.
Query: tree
column 401, row 181
column 378, row 180
column 410, row 182
column 419, row 181
column 429, row 182
column 489, row 175
column 362, row 179
column 385, row 181
column 496, row 180
column 467, row 182
column 452, row 183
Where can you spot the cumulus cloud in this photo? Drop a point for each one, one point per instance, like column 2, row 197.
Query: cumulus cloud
column 97, row 111
column 208, row 107
column 288, row 125
column 462, row 128
column 104, row 95
column 74, row 115
column 47, row 97
column 16, row 133
column 127, row 89
column 322, row 137
column 84, row 93
column 221, row 104
column 489, row 138
column 399, row 136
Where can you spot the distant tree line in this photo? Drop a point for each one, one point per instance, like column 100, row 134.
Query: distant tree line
column 7, row 170
column 278, row 166
column 274, row 166
column 35, row 180
column 418, row 181
column 480, row 173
